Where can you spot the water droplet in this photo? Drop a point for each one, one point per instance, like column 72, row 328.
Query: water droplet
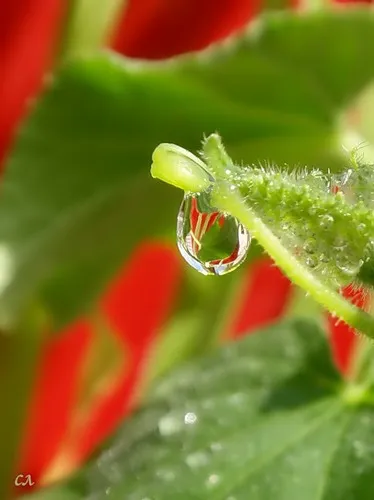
column 349, row 268
column 169, row 424
column 312, row 211
column 345, row 177
column 310, row 245
column 165, row 474
column 190, row 418
column 326, row 221
column 6, row 266
column 312, row 261
column 196, row 460
column 340, row 243
column 371, row 244
column 108, row 468
column 211, row 242
column 215, row 447
column 236, row 399
column 324, row 258
column 213, row 480
column 359, row 449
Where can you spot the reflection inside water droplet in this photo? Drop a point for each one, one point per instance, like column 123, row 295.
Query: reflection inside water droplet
column 211, row 242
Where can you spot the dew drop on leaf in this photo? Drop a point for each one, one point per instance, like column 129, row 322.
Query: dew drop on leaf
column 312, row 261
column 216, row 446
column 169, row 424
column 197, row 460
column 213, row 243
column 165, row 475
column 349, row 268
column 213, row 480
column 324, row 258
column 340, row 244
column 310, row 245
column 190, row 418
column 326, row 221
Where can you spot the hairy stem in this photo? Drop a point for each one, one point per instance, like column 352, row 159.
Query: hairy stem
column 230, row 201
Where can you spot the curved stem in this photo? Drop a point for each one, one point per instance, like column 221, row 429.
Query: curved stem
column 231, row 201
column 88, row 25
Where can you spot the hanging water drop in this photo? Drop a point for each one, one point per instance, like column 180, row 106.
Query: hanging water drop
column 213, row 243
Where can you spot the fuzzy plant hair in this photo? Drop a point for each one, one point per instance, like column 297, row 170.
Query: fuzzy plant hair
column 317, row 227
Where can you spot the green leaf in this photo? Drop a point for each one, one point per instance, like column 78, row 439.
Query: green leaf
column 76, row 196
column 203, row 318
column 293, row 76
column 267, row 417
column 54, row 494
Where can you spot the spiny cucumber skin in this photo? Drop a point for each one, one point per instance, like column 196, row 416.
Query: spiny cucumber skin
column 331, row 236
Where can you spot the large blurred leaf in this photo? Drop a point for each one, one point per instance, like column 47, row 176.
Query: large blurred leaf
column 263, row 418
column 76, row 195
column 55, row 494
column 203, row 318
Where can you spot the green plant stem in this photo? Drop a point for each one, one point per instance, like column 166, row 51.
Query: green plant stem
column 218, row 312
column 231, row 201
column 88, row 25
column 20, row 354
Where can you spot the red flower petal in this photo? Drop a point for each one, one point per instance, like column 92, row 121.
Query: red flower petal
column 140, row 296
column 136, row 305
column 265, row 296
column 28, row 31
column 342, row 337
column 53, row 398
column 156, row 29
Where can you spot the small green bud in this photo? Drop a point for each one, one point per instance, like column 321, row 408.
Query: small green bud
column 180, row 168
